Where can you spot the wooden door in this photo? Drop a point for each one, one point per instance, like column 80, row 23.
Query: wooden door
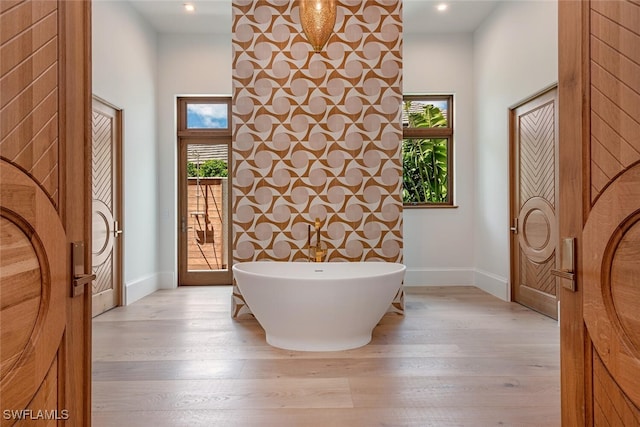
column 534, row 201
column 599, row 92
column 107, row 214
column 44, row 205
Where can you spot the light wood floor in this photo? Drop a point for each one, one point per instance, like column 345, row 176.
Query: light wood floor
column 459, row 357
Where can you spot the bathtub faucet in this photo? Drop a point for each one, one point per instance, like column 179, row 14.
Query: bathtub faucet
column 316, row 252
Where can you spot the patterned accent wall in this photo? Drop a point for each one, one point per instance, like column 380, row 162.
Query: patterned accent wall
column 317, row 135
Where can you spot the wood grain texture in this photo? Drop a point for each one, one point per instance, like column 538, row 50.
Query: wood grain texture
column 615, row 90
column 457, row 357
column 75, row 89
column 44, row 88
column 44, row 406
column 537, row 151
column 611, row 406
column 625, row 276
column 20, row 292
column 31, row 223
column 599, row 119
column 610, row 259
column 28, row 84
column 574, row 128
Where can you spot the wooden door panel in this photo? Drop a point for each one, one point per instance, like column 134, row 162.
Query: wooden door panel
column 47, row 396
column 600, row 153
column 44, row 334
column 34, row 281
column 615, row 89
column 611, row 406
column 611, row 235
column 534, row 203
column 611, row 255
column 105, row 207
column 29, row 92
column 34, row 37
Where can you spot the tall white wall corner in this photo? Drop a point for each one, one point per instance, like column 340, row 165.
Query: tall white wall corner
column 140, row 288
column 497, row 286
column 167, row 280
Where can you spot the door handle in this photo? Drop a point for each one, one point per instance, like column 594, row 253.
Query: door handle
column 83, row 279
column 514, row 229
column 566, row 272
column 563, row 274
column 116, row 230
column 79, row 277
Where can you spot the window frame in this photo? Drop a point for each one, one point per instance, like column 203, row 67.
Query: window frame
column 184, row 131
column 433, row 133
column 186, row 136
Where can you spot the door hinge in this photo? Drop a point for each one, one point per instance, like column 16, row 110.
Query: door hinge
column 80, row 278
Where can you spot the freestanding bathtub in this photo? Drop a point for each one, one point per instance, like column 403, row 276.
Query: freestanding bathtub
column 326, row 306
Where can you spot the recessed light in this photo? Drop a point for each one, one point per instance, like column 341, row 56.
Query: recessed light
column 442, row 7
column 189, row 7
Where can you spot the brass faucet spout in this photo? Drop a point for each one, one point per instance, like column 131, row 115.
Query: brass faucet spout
column 316, row 253
column 318, row 232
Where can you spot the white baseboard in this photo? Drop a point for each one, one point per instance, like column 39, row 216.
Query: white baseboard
column 141, row 288
column 493, row 284
column 438, row 277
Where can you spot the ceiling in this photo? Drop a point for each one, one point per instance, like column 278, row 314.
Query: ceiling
column 214, row 16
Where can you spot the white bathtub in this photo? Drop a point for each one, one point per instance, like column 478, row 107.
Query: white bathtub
column 326, row 306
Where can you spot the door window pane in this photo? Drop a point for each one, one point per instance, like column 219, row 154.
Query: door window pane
column 207, row 218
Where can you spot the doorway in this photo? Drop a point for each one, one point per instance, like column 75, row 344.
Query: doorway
column 534, row 201
column 204, row 147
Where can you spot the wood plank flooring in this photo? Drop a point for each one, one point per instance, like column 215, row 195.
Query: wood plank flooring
column 459, row 357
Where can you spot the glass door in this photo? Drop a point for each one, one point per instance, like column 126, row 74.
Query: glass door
column 204, row 218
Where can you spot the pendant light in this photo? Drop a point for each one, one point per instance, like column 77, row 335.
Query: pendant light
column 318, row 17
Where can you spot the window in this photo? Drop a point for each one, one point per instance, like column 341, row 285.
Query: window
column 427, row 150
column 204, row 116
column 207, row 116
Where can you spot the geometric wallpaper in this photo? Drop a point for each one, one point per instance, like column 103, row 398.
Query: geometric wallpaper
column 316, row 135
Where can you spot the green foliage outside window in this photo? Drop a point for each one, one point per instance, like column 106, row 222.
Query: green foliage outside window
column 424, row 160
column 209, row 168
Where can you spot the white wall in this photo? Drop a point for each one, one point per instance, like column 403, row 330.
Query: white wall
column 188, row 64
column 438, row 242
column 512, row 56
column 124, row 74
column 515, row 56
